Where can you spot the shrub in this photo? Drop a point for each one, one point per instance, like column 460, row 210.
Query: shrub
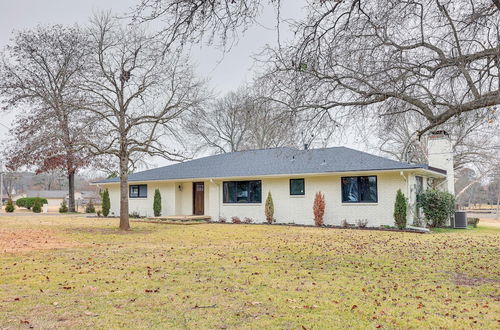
column 361, row 223
column 9, row 207
column 106, row 204
column 345, row 224
column 90, row 208
column 236, row 220
column 157, row 203
column 470, row 221
column 269, row 209
column 319, row 209
column 99, row 213
column 64, row 207
column 37, row 206
column 28, row 202
column 400, row 207
column 134, row 215
column 247, row 220
column 437, row 205
column 223, row 219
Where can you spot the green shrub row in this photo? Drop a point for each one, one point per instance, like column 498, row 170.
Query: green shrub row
column 28, row 202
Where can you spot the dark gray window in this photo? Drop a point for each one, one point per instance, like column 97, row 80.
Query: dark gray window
column 242, row 192
column 359, row 189
column 138, row 191
column 297, row 187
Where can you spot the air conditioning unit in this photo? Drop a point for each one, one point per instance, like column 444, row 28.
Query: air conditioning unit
column 460, row 220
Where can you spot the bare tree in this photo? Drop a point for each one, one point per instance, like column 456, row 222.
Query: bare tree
column 41, row 71
column 137, row 95
column 191, row 21
column 475, row 142
column 223, row 125
column 434, row 58
column 247, row 119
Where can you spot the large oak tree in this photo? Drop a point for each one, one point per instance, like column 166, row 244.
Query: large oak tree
column 137, row 93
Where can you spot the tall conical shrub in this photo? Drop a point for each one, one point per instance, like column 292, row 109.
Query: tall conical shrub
column 106, row 203
column 157, row 203
column 400, row 208
column 269, row 209
column 319, row 209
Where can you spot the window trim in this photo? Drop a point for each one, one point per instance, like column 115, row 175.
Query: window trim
column 290, row 187
column 359, row 202
column 236, row 190
column 138, row 191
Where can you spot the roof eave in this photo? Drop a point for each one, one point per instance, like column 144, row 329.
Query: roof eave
column 326, row 173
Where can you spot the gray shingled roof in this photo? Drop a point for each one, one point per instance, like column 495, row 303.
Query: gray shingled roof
column 271, row 162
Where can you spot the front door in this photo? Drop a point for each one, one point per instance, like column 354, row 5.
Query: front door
column 198, row 198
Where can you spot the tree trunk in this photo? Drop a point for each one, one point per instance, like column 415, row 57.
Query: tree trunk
column 71, row 193
column 124, row 222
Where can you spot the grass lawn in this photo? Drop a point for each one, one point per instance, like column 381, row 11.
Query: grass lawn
column 78, row 272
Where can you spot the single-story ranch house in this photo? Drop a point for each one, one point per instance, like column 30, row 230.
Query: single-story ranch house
column 356, row 185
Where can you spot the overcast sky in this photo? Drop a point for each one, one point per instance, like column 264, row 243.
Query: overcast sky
column 225, row 71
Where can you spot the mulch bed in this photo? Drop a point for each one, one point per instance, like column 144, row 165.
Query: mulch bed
column 326, row 227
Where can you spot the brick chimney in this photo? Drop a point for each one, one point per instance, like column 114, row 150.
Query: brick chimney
column 440, row 155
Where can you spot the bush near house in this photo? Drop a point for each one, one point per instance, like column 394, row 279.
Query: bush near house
column 269, row 209
column 9, row 207
column 90, row 208
column 28, row 202
column 64, row 207
column 438, row 206
column 106, row 203
column 236, row 219
column 400, row 208
column 362, row 223
column 37, row 206
column 319, row 209
column 157, row 203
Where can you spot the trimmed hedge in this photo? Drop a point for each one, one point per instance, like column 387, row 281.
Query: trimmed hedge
column 28, row 202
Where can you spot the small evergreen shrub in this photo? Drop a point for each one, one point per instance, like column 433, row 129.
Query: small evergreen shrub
column 106, row 203
column 9, row 207
column 269, row 208
column 28, row 202
column 134, row 215
column 438, row 206
column 90, row 208
column 64, row 207
column 400, row 207
column 37, row 206
column 361, row 223
column 236, row 219
column 157, row 203
column 319, row 209
column 99, row 213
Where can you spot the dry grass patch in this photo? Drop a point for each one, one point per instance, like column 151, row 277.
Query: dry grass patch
column 219, row 276
column 22, row 240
